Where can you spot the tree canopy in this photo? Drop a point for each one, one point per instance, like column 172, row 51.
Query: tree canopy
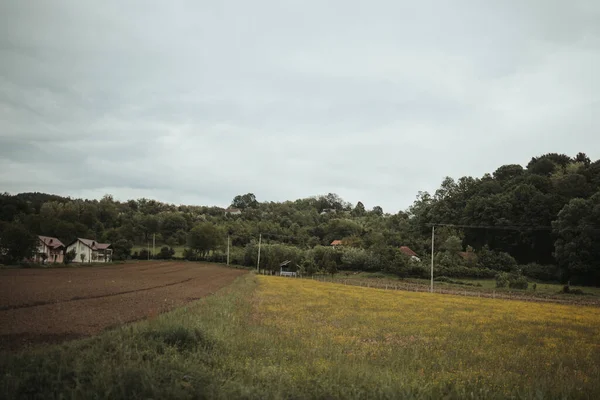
column 544, row 213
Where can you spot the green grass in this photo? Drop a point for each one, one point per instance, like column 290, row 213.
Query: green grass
column 487, row 285
column 178, row 249
column 270, row 337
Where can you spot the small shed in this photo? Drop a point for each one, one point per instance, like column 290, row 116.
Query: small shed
column 284, row 269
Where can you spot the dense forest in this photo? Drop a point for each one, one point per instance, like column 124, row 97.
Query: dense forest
column 542, row 220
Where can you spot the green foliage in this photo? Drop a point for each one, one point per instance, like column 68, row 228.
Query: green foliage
column 578, row 245
column 511, row 280
column 541, row 272
column 502, row 280
column 518, row 282
column 166, row 253
column 496, row 260
column 453, row 245
column 203, row 238
column 70, row 256
column 121, row 249
column 247, row 200
column 554, row 189
column 16, row 243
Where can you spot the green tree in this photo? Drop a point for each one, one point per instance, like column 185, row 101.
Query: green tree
column 577, row 248
column 165, row 253
column 171, row 223
column 247, row 200
column 70, row 256
column 453, row 245
column 377, row 210
column 121, row 249
column 359, row 210
column 203, row 238
column 16, row 243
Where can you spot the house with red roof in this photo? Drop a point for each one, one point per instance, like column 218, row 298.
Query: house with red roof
column 49, row 249
column 408, row 251
column 87, row 250
column 336, row 243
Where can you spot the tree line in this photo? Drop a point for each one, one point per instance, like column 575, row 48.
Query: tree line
column 542, row 219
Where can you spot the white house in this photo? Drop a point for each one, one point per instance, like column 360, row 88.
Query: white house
column 50, row 249
column 233, row 211
column 89, row 251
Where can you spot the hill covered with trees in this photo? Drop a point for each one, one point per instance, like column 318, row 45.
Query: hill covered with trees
column 542, row 219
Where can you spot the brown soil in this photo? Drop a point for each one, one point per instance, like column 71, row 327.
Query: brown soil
column 54, row 305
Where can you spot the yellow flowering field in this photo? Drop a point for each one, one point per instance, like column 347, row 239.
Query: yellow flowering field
column 359, row 342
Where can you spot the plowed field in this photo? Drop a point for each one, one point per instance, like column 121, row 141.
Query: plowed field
column 53, row 305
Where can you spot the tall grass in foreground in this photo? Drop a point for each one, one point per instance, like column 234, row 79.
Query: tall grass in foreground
column 270, row 337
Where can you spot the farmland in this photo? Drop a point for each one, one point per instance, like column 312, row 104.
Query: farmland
column 50, row 305
column 271, row 337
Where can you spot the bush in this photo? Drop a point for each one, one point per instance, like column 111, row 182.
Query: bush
column 518, row 282
column 166, row 253
column 567, row 289
column 513, row 281
column 496, row 260
column 541, row 272
column 70, row 256
column 502, row 280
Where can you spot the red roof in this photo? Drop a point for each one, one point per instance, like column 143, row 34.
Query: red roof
column 467, row 254
column 336, row 243
column 92, row 244
column 406, row 250
column 51, row 242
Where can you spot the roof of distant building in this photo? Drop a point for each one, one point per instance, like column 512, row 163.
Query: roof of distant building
column 51, row 242
column 408, row 251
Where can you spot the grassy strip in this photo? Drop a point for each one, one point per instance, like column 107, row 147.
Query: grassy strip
column 181, row 354
column 271, row 337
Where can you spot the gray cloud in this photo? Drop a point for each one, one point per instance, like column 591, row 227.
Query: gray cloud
column 195, row 103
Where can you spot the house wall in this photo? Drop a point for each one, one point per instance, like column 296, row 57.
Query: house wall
column 54, row 256
column 80, row 249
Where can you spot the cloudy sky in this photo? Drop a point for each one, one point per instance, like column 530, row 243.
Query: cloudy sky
column 196, row 101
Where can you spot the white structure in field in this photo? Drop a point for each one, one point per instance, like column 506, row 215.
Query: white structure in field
column 89, row 251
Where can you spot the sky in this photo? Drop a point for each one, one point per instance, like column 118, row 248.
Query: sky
column 195, row 102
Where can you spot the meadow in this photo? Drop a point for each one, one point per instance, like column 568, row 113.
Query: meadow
column 178, row 249
column 272, row 337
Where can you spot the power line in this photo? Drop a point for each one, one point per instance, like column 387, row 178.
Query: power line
column 519, row 227
column 498, row 227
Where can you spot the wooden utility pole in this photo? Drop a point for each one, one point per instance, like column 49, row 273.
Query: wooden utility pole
column 432, row 243
column 153, row 244
column 258, row 262
column 228, row 250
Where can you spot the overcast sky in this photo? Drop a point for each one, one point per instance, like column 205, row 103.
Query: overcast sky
column 195, row 102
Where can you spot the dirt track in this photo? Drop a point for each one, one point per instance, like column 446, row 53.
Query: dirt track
column 53, row 305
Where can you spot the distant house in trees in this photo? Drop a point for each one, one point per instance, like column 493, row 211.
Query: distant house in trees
column 468, row 256
column 49, row 249
column 336, row 243
column 408, row 251
column 284, row 269
column 87, row 250
column 233, row 211
column 328, row 210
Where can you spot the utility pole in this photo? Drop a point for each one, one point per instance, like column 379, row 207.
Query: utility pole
column 148, row 250
column 153, row 244
column 258, row 262
column 432, row 243
column 227, row 250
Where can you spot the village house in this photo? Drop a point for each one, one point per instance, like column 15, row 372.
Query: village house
column 336, row 243
column 233, row 211
column 49, row 249
column 408, row 251
column 87, row 250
